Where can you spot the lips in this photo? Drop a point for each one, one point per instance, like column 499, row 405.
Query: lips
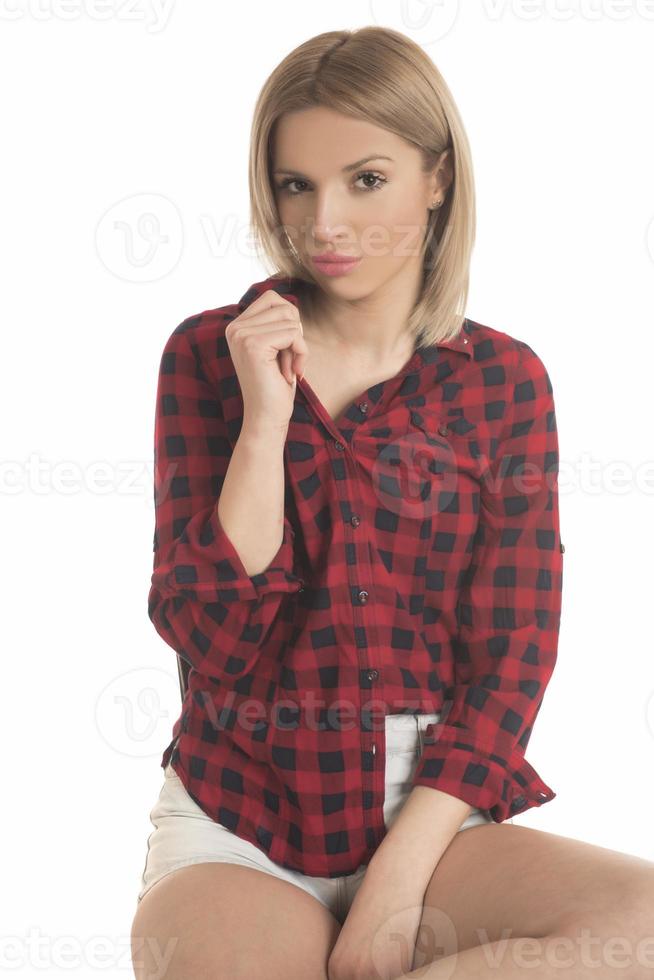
column 329, row 257
column 336, row 267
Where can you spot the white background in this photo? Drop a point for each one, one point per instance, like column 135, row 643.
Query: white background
column 125, row 111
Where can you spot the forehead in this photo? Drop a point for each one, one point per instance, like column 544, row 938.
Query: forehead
column 324, row 139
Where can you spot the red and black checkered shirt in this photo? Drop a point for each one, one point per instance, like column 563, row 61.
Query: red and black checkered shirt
column 420, row 571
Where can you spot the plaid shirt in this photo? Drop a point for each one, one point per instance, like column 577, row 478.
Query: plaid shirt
column 420, row 570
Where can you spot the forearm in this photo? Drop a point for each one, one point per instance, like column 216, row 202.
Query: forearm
column 420, row 834
column 251, row 503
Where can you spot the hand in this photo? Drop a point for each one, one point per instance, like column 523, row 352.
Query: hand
column 378, row 938
column 268, row 349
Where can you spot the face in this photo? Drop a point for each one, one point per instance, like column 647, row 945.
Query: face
column 347, row 187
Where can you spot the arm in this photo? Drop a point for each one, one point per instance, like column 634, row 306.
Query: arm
column 418, row 837
column 509, row 613
column 223, row 549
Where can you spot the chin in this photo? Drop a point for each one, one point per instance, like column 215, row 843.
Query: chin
column 355, row 282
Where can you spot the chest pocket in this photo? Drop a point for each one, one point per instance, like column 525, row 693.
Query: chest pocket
column 444, row 430
column 430, row 420
column 451, row 454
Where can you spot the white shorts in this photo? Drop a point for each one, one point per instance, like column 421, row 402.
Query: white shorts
column 177, row 840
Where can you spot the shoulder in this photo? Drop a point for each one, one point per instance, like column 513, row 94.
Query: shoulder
column 197, row 345
column 512, row 358
column 202, row 335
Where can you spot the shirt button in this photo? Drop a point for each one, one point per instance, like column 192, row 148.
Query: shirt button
column 363, row 597
column 518, row 802
column 339, row 445
column 363, row 407
column 355, row 520
column 443, row 430
column 373, row 675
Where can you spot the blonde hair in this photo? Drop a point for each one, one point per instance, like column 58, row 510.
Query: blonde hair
column 384, row 77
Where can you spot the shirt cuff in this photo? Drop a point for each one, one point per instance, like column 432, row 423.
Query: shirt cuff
column 203, row 564
column 500, row 781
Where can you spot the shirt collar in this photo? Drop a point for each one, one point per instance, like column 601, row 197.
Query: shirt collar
column 289, row 287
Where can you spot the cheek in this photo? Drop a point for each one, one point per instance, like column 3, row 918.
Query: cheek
column 290, row 215
column 397, row 230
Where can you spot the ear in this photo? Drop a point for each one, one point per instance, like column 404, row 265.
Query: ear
column 442, row 174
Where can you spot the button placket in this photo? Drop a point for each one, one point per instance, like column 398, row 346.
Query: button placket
column 374, row 777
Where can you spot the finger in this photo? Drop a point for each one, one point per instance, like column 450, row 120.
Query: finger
column 285, row 357
column 275, row 336
column 298, row 353
column 269, row 300
column 273, row 315
column 299, row 364
column 266, row 326
column 299, row 359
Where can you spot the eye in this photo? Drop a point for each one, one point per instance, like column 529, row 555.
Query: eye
column 286, row 183
column 369, row 173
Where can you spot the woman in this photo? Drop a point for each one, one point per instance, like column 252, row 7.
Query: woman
column 358, row 557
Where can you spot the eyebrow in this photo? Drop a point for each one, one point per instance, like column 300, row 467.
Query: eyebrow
column 350, row 166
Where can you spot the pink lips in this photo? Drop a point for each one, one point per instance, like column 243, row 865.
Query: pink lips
column 335, row 267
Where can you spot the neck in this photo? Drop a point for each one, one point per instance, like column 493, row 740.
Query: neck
column 372, row 329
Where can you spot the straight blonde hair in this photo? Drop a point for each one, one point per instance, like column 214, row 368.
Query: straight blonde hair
column 382, row 76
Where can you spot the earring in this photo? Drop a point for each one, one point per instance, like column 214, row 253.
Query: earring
column 436, row 204
column 293, row 249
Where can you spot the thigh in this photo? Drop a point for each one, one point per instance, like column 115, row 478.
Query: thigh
column 223, row 921
column 501, row 881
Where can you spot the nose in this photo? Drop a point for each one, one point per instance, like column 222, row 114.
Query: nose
column 326, row 236
column 327, row 232
column 329, row 224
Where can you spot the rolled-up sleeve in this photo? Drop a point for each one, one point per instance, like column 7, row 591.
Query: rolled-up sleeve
column 508, row 614
column 202, row 601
